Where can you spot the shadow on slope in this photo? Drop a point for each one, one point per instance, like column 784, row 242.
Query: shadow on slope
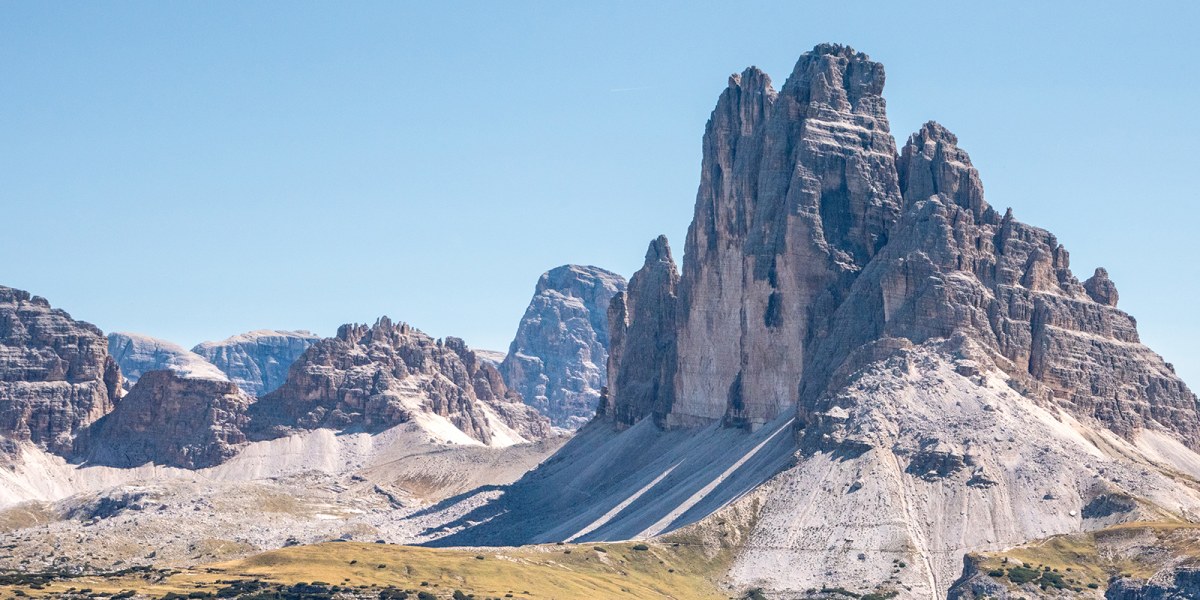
column 608, row 485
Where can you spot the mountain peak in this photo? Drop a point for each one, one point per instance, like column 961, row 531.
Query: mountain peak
column 931, row 163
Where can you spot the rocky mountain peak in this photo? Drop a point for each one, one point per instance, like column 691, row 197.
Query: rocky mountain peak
column 170, row 418
column 257, row 361
column 56, row 375
column 386, row 374
column 1101, row 289
column 839, row 78
column 798, row 191
column 557, row 359
column 642, row 340
column 932, row 163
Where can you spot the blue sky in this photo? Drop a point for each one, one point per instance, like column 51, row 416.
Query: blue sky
column 191, row 170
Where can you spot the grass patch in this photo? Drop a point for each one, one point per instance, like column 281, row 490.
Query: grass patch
column 659, row 571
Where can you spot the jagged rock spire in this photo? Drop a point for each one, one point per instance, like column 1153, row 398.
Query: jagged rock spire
column 641, row 362
column 932, row 163
column 1100, row 288
column 797, row 191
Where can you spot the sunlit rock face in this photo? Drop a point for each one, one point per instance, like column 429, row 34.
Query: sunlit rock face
column 813, row 239
column 257, row 361
column 56, row 376
column 138, row 354
column 170, row 418
column 373, row 377
column 558, row 359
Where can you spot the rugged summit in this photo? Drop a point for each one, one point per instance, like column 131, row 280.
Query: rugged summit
column 257, row 361
column 863, row 363
column 642, row 330
column 171, row 419
column 558, row 358
column 797, row 193
column 56, row 375
column 379, row 376
column 138, row 354
column 813, row 240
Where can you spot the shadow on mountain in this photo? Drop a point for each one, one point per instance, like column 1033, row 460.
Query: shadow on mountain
column 608, row 485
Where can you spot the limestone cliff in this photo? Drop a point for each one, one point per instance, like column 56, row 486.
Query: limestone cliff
column 379, row 376
column 56, row 375
column 171, row 419
column 257, row 361
column 558, row 358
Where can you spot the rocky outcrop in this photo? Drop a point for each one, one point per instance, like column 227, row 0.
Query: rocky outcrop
column 379, row 376
column 1100, row 288
column 171, row 419
column 797, row 193
column 56, row 375
column 558, row 358
column 813, row 241
column 257, row 361
column 945, row 380
column 642, row 337
column 954, row 266
column 137, row 354
column 1182, row 584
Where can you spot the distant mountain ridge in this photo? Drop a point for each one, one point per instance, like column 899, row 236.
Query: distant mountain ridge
column 139, row 354
column 257, row 361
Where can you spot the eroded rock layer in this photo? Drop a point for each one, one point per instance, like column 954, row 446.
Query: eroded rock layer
column 379, row 376
column 558, row 359
column 257, row 361
column 56, row 375
column 170, row 419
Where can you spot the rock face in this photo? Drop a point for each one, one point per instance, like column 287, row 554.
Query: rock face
column 1172, row 585
column 867, row 356
column 170, row 419
column 642, row 334
column 56, row 375
column 376, row 377
column 137, row 354
column 813, row 240
column 798, row 192
column 257, row 361
column 558, row 359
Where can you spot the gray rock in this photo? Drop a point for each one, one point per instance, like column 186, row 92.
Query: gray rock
column 1176, row 584
column 56, row 376
column 558, row 358
column 798, row 191
column 138, row 354
column 1100, row 288
column 257, row 361
column 170, row 419
column 642, row 341
column 379, row 376
column 813, row 240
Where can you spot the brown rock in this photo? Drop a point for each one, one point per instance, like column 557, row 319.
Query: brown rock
column 56, row 376
column 376, row 377
column 170, row 419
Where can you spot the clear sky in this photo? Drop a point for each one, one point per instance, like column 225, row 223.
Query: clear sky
column 191, row 170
